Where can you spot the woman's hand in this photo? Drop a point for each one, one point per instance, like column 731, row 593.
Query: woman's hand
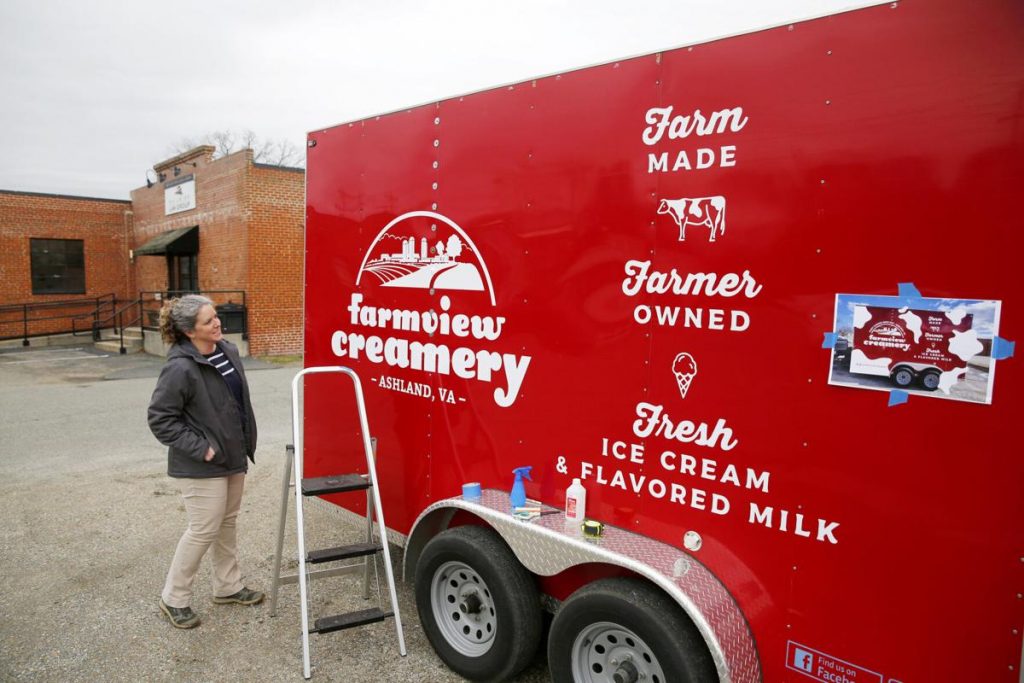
column 209, row 454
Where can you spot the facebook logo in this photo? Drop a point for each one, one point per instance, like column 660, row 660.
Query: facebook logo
column 802, row 660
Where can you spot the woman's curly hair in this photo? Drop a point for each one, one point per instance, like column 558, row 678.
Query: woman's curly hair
column 178, row 316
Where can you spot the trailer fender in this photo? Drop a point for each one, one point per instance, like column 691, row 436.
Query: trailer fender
column 546, row 546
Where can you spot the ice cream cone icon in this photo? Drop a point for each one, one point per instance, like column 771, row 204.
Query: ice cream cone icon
column 684, row 367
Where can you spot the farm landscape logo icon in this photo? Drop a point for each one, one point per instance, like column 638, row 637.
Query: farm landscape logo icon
column 426, row 250
column 426, row 347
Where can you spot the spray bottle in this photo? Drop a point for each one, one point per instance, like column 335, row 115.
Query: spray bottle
column 518, row 489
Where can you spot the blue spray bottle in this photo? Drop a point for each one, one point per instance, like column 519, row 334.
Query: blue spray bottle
column 518, row 490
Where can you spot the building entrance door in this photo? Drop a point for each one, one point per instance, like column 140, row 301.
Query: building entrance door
column 182, row 273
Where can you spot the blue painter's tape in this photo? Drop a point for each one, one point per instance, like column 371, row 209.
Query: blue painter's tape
column 897, row 397
column 908, row 289
column 1002, row 348
column 829, row 341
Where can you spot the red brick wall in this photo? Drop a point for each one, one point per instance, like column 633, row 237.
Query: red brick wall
column 220, row 214
column 250, row 220
column 276, row 242
column 102, row 224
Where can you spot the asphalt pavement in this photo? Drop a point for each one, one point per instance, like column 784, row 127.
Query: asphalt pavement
column 91, row 521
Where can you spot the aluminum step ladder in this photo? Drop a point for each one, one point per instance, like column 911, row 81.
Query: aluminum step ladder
column 367, row 551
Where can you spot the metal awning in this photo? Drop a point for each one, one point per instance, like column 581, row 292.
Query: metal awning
column 180, row 241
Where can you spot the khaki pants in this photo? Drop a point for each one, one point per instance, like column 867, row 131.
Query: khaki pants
column 212, row 506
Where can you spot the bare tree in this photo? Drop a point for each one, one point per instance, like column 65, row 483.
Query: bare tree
column 264, row 151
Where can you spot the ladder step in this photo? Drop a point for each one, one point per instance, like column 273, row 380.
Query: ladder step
column 349, row 620
column 336, row 483
column 344, row 552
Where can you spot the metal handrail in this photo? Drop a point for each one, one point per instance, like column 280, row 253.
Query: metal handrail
column 24, row 311
column 118, row 315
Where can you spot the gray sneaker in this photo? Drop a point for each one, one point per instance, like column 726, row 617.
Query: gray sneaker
column 246, row 596
column 180, row 617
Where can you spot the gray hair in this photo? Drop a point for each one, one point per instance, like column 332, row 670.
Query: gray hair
column 178, row 316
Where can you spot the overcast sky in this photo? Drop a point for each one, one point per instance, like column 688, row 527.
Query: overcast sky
column 95, row 92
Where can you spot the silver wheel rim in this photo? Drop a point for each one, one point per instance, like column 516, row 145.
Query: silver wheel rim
column 604, row 650
column 931, row 381
column 463, row 608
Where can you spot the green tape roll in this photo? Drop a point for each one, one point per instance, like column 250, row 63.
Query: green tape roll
column 592, row 528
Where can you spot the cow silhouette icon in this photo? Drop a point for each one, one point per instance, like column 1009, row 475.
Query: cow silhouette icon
column 707, row 212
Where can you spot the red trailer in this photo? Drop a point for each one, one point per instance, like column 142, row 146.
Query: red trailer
column 910, row 345
column 622, row 274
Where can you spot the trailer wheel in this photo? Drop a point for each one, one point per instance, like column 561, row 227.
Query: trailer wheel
column 930, row 380
column 624, row 631
column 903, row 376
column 478, row 605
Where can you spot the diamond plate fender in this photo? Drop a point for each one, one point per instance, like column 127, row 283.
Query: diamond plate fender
column 546, row 546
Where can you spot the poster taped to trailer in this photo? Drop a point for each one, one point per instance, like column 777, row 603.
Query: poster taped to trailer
column 940, row 348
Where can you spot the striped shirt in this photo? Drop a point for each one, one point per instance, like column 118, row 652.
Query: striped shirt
column 234, row 381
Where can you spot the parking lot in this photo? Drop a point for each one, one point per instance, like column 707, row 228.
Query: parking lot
column 91, row 521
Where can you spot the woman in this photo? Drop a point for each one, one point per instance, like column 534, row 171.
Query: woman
column 201, row 410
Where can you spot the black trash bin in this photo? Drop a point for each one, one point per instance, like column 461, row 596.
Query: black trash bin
column 232, row 318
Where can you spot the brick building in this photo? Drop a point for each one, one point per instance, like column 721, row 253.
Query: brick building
column 229, row 228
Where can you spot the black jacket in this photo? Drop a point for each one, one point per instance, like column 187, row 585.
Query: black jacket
column 192, row 409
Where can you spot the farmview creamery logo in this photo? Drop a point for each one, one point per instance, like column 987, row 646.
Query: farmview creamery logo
column 426, row 251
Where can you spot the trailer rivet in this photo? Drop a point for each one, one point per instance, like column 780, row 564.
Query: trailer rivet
column 437, row 120
column 791, row 27
column 813, row 315
column 794, row 567
column 311, row 143
column 433, row 227
column 431, row 291
column 817, row 251
column 805, row 444
column 822, row 181
column 437, row 143
column 435, row 164
column 828, row 101
column 1014, row 631
column 808, row 380
column 692, row 541
column 434, row 206
column 434, row 186
column 828, row 52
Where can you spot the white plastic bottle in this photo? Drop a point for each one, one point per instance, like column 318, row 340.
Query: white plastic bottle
column 576, row 502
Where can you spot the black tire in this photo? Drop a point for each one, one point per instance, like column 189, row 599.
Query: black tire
column 478, row 605
column 617, row 619
column 903, row 376
column 930, row 380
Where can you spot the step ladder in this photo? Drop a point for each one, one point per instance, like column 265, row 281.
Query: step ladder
column 367, row 551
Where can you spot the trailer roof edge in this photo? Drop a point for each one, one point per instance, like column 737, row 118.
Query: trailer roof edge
column 853, row 7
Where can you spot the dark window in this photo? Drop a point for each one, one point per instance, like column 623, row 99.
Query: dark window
column 58, row 266
column 182, row 273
